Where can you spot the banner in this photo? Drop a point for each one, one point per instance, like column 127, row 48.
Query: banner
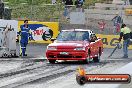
column 128, row 11
column 110, row 41
column 42, row 32
column 8, row 24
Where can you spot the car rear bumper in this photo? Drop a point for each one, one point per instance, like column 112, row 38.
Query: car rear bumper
column 78, row 59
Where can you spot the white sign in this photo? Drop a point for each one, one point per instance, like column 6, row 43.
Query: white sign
column 9, row 24
column 118, row 2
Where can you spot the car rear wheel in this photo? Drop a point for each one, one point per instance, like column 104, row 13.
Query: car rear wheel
column 96, row 59
column 87, row 60
column 52, row 61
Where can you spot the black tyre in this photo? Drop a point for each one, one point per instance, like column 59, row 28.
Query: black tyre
column 52, row 61
column 88, row 58
column 96, row 59
column 81, row 80
column 100, row 51
column 86, row 61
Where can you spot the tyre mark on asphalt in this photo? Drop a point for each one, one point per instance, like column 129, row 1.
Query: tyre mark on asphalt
column 20, row 70
column 39, row 77
column 53, row 76
column 33, row 77
column 42, row 76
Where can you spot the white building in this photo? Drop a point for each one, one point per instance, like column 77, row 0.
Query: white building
column 126, row 2
column 118, row 2
column 53, row 1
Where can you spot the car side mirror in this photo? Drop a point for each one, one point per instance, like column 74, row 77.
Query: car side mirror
column 53, row 39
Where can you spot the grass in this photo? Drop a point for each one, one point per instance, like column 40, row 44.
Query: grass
column 39, row 11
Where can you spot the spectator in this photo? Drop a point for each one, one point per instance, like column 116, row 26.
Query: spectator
column 68, row 2
column 117, row 21
column 67, row 7
column 101, row 25
column 127, row 2
column 79, row 4
column 25, row 36
column 126, row 35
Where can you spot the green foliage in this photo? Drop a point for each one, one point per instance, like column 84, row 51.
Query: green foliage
column 35, row 2
column 36, row 10
column 38, row 2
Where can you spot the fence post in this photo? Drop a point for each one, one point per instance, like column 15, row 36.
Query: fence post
column 59, row 14
column 31, row 10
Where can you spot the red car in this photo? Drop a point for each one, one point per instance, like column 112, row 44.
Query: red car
column 75, row 44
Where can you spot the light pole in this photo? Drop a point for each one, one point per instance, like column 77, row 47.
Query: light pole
column 31, row 9
column 1, row 1
column 1, row 9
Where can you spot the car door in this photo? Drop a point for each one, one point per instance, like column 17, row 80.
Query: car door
column 97, row 44
column 94, row 45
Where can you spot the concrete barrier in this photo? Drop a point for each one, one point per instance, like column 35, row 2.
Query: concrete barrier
column 99, row 16
column 102, row 14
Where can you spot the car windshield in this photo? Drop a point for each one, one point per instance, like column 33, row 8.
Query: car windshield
column 73, row 36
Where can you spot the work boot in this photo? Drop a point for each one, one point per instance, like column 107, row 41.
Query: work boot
column 20, row 54
column 25, row 55
column 125, row 56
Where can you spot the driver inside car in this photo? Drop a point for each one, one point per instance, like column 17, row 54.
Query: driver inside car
column 85, row 36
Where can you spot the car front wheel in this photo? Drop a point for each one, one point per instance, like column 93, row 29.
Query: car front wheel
column 87, row 60
column 52, row 61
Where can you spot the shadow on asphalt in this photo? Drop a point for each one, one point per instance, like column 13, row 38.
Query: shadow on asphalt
column 78, row 63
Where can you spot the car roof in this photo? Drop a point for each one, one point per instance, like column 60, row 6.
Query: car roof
column 88, row 30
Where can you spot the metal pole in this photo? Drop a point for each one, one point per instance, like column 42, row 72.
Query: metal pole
column 59, row 14
column 87, row 17
column 1, row 9
column 31, row 10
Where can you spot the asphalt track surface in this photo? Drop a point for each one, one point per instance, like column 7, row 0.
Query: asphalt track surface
column 34, row 71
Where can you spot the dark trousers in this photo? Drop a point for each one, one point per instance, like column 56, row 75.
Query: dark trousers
column 125, row 46
column 23, row 48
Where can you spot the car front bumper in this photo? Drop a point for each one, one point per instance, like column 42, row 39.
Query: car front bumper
column 56, row 55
